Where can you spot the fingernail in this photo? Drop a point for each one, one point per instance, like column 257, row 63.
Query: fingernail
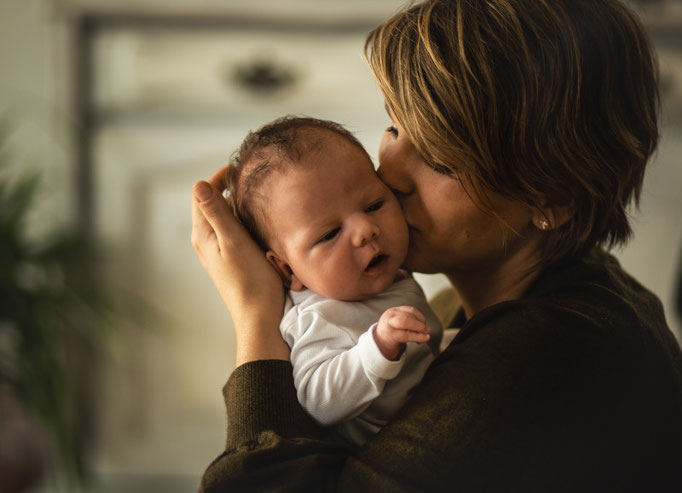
column 202, row 191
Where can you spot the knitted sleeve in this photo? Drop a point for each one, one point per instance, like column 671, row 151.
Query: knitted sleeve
column 270, row 437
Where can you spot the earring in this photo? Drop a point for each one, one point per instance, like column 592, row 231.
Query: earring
column 544, row 225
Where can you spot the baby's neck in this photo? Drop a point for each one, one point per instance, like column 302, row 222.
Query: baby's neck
column 401, row 275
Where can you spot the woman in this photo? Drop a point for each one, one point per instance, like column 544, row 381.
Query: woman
column 520, row 133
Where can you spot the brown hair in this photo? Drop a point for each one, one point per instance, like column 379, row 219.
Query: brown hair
column 543, row 101
column 275, row 146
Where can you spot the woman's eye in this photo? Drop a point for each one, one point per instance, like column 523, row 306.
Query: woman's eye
column 392, row 130
column 443, row 170
column 330, row 235
column 375, row 206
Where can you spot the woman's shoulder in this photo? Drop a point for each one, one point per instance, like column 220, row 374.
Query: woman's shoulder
column 584, row 309
column 599, row 292
column 597, row 274
column 592, row 292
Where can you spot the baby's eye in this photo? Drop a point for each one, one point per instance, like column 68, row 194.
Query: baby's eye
column 392, row 130
column 330, row 235
column 375, row 206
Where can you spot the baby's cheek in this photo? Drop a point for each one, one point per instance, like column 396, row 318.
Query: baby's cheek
column 400, row 232
column 331, row 276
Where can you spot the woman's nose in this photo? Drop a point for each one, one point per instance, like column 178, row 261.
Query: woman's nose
column 393, row 159
column 364, row 231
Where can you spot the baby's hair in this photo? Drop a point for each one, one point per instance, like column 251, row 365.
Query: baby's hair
column 274, row 147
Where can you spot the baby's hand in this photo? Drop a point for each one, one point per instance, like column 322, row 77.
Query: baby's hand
column 397, row 326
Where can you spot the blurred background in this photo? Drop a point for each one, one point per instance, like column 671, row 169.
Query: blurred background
column 114, row 345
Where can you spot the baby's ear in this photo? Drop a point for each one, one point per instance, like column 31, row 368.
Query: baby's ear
column 284, row 270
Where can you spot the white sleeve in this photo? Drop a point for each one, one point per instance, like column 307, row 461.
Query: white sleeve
column 335, row 378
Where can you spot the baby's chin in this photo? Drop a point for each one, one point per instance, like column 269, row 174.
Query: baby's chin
column 375, row 289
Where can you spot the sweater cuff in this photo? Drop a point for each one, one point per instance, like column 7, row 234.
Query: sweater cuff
column 260, row 396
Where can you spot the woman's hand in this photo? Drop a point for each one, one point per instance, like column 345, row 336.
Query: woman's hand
column 247, row 283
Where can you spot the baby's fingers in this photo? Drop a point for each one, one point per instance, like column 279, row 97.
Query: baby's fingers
column 408, row 320
column 410, row 312
column 402, row 336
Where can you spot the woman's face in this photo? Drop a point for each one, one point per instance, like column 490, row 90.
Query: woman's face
column 449, row 233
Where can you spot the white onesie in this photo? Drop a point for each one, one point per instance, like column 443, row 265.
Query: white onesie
column 341, row 377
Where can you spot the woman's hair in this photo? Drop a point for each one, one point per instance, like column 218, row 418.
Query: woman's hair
column 550, row 102
column 274, row 147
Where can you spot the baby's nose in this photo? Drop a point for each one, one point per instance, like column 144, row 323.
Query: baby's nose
column 364, row 232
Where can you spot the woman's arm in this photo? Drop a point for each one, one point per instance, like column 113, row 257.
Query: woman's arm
column 247, row 283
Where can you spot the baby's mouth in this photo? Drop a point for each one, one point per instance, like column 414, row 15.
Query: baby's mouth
column 376, row 260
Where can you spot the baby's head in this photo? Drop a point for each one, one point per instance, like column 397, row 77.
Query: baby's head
column 307, row 192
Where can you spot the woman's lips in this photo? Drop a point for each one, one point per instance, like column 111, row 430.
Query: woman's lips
column 410, row 226
column 412, row 230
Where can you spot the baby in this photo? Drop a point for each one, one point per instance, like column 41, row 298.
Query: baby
column 307, row 192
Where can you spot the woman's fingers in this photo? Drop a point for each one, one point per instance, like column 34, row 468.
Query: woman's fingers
column 219, row 179
column 247, row 283
column 202, row 231
column 217, row 230
column 218, row 214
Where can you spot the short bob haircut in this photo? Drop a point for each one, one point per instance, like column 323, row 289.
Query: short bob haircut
column 273, row 148
column 549, row 102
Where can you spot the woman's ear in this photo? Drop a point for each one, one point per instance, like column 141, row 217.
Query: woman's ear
column 552, row 216
column 284, row 270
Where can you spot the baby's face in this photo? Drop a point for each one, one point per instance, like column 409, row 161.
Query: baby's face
column 335, row 224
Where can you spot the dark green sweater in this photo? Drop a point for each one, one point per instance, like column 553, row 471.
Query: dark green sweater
column 575, row 387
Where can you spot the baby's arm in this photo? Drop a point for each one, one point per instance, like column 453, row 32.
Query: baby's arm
column 337, row 379
column 398, row 326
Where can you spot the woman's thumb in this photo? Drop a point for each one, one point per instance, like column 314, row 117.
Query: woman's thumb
column 215, row 209
column 203, row 191
column 211, row 204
